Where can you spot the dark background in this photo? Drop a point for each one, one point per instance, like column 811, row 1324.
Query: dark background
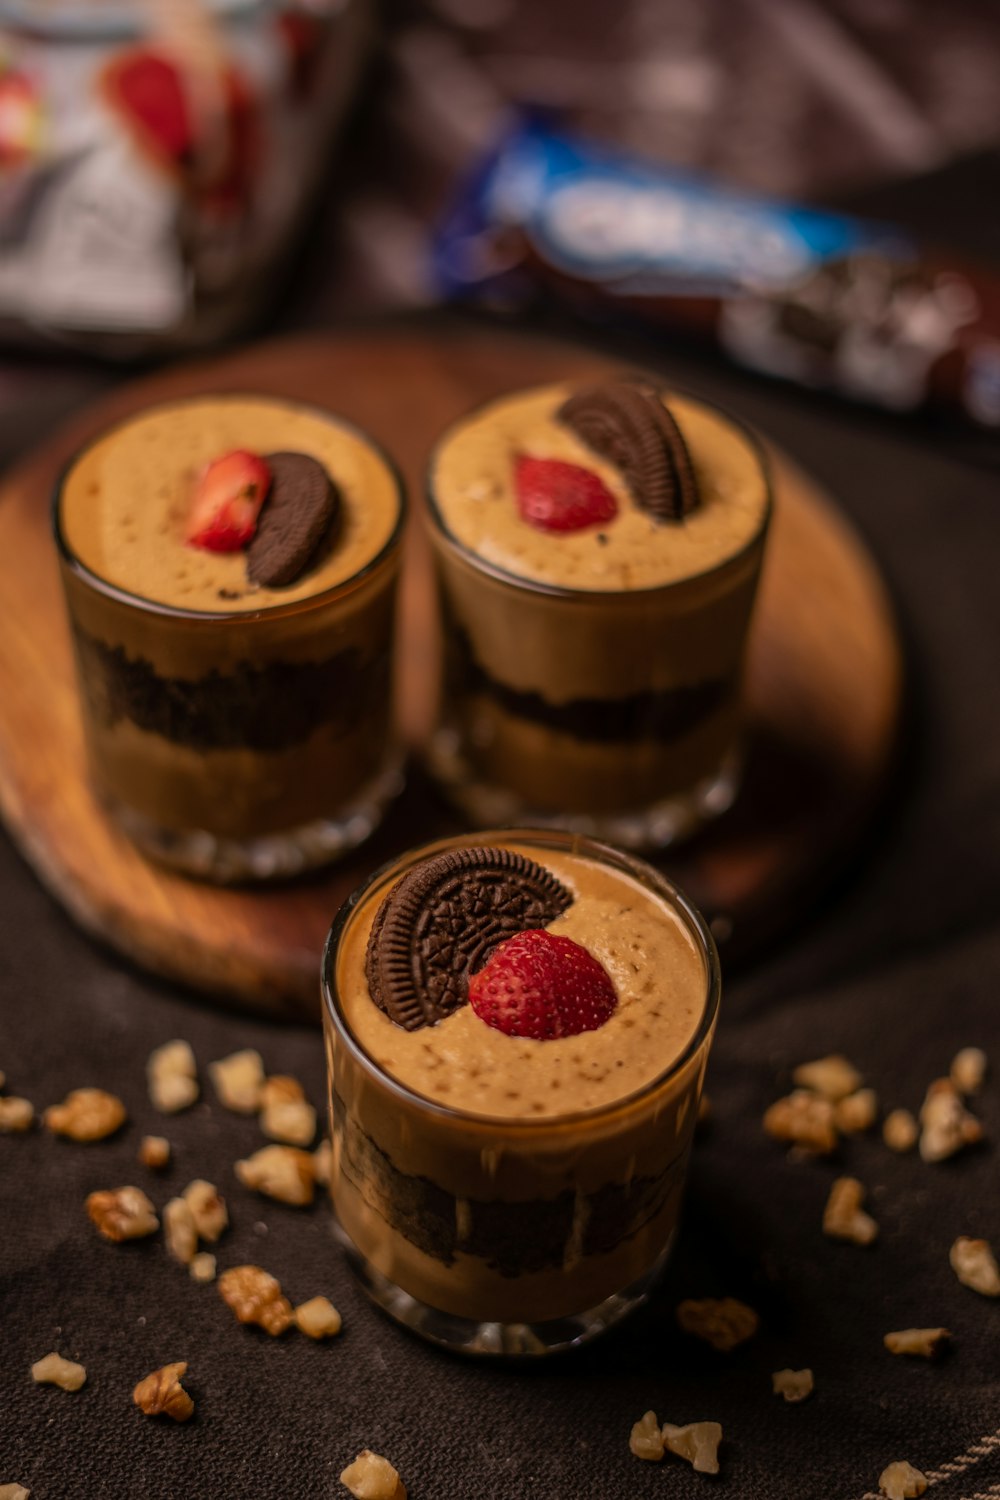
column 885, row 103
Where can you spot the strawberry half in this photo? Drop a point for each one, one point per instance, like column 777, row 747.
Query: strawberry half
column 228, row 495
column 542, row 986
column 557, row 496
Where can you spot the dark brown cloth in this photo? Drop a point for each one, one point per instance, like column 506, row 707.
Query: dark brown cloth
column 899, row 969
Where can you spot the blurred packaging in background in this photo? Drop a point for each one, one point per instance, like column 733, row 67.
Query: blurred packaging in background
column 156, row 159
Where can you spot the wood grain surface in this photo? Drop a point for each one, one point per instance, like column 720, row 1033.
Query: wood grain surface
column 824, row 686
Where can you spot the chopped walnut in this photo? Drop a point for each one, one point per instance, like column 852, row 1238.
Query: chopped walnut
column 900, row 1130
column 901, row 1481
column 974, row 1263
column 13, row 1491
column 54, row 1370
column 804, row 1119
column 698, row 1442
column 794, row 1385
column 208, row 1209
column 202, row 1268
column 646, row 1439
column 154, row 1152
column 16, row 1115
column 293, row 1122
column 238, row 1080
column 123, row 1213
column 856, row 1112
column 255, row 1297
column 172, row 1074
column 843, row 1216
column 323, row 1162
column 833, row 1077
column 280, row 1172
column 925, row 1342
column 280, row 1088
column 318, row 1318
column 180, row 1230
column 370, row 1477
column 946, row 1124
column 86, row 1115
column 968, row 1069
column 722, row 1322
column 161, row 1394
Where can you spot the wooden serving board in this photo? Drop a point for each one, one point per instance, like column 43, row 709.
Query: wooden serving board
column 824, row 686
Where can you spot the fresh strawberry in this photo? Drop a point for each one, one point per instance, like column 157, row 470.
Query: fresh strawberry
column 228, row 495
column 557, row 496
column 543, row 986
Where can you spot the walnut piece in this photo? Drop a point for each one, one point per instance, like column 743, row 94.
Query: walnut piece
column 901, row 1481
column 946, row 1124
column 900, row 1130
column 856, row 1112
column 255, row 1297
column 16, row 1115
column 14, row 1491
column 280, row 1172
column 202, row 1267
column 925, row 1342
column 161, row 1394
column 180, row 1231
column 698, row 1442
column 646, row 1439
column 292, row 1121
column 318, row 1318
column 794, row 1385
column 86, row 1115
column 804, row 1119
column 280, row 1088
column 154, row 1152
column 208, row 1209
column 722, row 1322
column 238, row 1080
column 968, row 1069
column 54, row 1370
column 833, row 1077
column 172, row 1074
column 123, row 1213
column 323, row 1162
column 843, row 1216
column 370, row 1477
column 974, row 1263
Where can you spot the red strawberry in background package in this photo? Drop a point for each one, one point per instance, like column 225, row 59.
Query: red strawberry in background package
column 156, row 160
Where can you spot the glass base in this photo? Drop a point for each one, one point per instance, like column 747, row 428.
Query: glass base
column 668, row 821
column 272, row 856
column 491, row 1339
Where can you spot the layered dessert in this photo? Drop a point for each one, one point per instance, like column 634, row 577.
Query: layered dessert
column 230, row 567
column 518, row 1028
column 598, row 552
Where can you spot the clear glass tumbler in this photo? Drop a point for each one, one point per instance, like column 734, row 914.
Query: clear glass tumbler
column 508, row 1235
column 240, row 743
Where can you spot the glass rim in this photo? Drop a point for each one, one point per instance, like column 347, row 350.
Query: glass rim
column 640, row 870
column 565, row 591
column 221, row 618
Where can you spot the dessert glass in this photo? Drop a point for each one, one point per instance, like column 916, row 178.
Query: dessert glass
column 241, row 743
column 509, row 1235
column 613, row 712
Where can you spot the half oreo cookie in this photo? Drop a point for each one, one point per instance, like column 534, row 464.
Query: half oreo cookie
column 299, row 515
column 627, row 423
column 440, row 923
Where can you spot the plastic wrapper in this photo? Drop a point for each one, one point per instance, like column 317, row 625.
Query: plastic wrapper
column 819, row 298
column 156, row 159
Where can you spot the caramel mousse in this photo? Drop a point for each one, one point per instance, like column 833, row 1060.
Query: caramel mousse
column 518, row 1032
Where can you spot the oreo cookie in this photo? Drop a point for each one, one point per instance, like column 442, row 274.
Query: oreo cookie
column 627, row 423
column 440, row 923
column 300, row 513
